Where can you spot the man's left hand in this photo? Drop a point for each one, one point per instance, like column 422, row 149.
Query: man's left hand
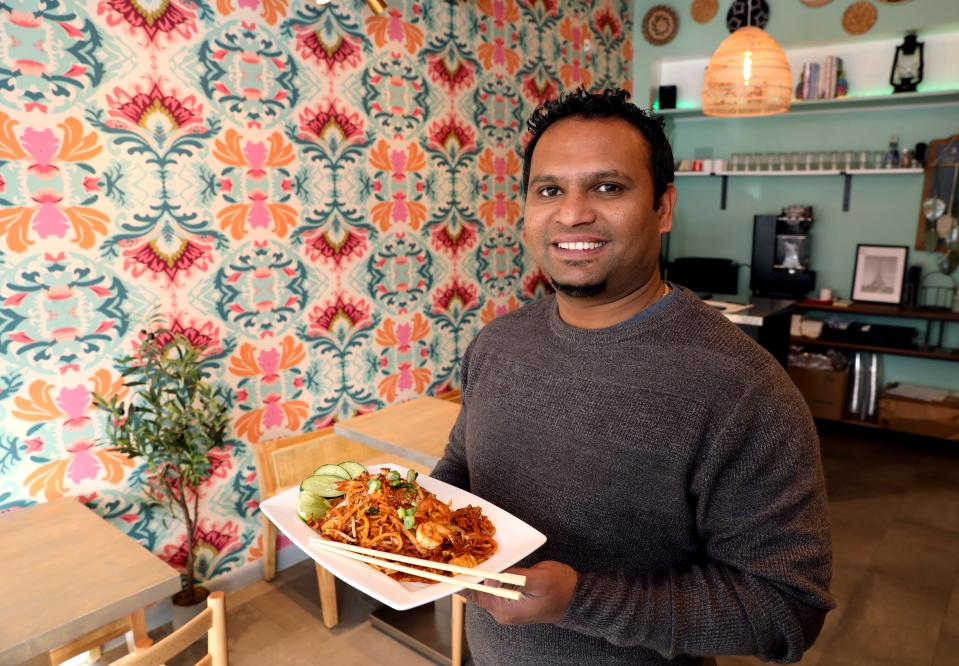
column 545, row 598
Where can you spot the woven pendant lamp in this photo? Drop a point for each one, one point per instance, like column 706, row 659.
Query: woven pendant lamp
column 748, row 75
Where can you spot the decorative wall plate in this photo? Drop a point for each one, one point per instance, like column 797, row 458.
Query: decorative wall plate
column 660, row 25
column 747, row 12
column 815, row 3
column 703, row 11
column 859, row 17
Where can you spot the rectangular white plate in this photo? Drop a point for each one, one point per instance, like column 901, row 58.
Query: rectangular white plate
column 515, row 538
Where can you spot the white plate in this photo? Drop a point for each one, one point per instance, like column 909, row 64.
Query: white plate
column 515, row 538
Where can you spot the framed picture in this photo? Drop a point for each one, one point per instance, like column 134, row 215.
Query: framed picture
column 880, row 273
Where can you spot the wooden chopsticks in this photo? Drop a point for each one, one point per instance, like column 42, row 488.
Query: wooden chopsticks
column 383, row 559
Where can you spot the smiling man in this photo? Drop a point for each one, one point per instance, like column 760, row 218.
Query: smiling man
column 672, row 465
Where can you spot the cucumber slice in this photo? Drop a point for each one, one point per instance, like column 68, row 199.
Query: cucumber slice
column 323, row 485
column 354, row 468
column 332, row 470
column 310, row 505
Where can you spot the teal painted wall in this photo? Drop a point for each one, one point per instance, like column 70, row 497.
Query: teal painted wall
column 884, row 209
column 791, row 22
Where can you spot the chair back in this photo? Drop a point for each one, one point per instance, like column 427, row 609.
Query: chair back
column 300, row 455
column 211, row 621
column 293, row 462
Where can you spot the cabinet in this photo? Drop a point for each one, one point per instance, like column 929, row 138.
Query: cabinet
column 931, row 347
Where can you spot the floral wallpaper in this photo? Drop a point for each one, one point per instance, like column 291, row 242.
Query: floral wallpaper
column 327, row 197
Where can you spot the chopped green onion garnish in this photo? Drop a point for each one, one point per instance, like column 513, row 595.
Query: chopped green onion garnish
column 411, row 475
column 409, row 522
column 401, row 512
column 373, row 485
column 393, row 475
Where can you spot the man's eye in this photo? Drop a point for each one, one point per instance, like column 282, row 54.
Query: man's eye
column 550, row 191
column 609, row 187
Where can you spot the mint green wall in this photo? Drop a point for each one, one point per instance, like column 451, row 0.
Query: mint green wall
column 884, row 209
column 791, row 22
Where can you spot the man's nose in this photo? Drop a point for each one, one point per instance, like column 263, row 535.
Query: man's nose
column 575, row 209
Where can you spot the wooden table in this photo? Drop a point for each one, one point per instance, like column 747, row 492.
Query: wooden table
column 66, row 572
column 417, row 430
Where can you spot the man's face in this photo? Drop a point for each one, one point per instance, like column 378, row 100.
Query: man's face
column 589, row 221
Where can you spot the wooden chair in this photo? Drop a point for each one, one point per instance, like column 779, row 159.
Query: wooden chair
column 457, row 601
column 286, row 461
column 92, row 642
column 211, row 621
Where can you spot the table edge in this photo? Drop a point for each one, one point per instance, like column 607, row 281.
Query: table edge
column 386, row 447
column 35, row 645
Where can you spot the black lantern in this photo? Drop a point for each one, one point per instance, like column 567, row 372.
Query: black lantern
column 907, row 65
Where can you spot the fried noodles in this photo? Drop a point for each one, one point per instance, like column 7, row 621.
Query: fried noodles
column 402, row 517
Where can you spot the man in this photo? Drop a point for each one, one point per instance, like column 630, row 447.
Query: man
column 672, row 465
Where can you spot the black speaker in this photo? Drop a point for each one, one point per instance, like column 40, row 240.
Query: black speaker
column 667, row 97
column 705, row 275
column 911, row 292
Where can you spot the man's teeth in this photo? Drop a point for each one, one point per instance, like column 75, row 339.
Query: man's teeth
column 579, row 246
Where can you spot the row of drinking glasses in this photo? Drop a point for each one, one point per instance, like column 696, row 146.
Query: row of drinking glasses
column 826, row 160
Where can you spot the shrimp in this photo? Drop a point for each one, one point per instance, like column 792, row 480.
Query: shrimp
column 432, row 509
column 464, row 560
column 430, row 534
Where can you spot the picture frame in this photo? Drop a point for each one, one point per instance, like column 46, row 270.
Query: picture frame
column 879, row 274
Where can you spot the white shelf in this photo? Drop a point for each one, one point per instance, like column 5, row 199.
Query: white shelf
column 850, row 172
column 847, row 178
column 840, row 104
column 866, row 63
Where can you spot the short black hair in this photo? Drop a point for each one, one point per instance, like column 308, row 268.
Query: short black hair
column 610, row 103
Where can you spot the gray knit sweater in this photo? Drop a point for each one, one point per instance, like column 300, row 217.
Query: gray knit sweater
column 671, row 462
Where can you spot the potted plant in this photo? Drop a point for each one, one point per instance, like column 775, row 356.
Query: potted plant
column 172, row 420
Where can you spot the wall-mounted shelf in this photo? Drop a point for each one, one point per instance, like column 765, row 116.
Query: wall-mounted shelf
column 846, row 174
column 929, row 349
column 941, row 355
column 850, row 103
column 823, row 172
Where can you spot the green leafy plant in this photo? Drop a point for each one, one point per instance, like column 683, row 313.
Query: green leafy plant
column 172, row 419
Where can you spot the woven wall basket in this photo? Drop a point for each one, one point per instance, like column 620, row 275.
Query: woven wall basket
column 859, row 17
column 660, row 25
column 703, row 11
column 726, row 91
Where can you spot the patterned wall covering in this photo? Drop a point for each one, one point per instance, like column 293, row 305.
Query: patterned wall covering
column 328, row 197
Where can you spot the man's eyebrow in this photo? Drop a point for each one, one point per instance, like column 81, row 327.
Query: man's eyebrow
column 543, row 178
column 594, row 175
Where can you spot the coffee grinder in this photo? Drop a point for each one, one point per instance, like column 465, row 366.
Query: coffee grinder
column 781, row 244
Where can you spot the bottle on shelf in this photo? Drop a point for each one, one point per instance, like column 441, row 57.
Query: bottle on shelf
column 892, row 155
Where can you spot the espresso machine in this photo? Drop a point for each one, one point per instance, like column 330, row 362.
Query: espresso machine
column 781, row 245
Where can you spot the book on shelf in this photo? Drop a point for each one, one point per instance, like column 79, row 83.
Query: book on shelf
column 822, row 80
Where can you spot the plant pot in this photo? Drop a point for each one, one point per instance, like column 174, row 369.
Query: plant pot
column 187, row 604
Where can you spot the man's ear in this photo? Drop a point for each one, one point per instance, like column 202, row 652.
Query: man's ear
column 667, row 204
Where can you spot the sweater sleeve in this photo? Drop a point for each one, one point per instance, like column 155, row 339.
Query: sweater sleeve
column 452, row 468
column 761, row 585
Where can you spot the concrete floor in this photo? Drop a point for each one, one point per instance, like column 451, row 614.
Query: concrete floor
column 894, row 506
